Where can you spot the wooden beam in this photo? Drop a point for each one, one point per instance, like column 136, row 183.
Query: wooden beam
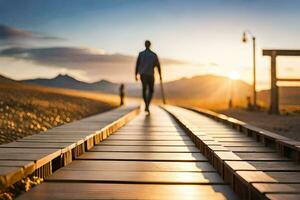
column 281, row 52
column 274, row 107
column 288, row 79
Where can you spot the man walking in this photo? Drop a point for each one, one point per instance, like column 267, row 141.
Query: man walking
column 146, row 62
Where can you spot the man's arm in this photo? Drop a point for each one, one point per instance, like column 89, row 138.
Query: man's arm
column 136, row 67
column 158, row 67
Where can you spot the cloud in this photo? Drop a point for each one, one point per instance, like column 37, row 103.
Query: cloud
column 93, row 63
column 8, row 33
column 89, row 63
column 71, row 57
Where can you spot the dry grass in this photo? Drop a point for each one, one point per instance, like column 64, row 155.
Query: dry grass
column 27, row 109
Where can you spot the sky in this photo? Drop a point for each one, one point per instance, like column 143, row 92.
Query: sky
column 100, row 39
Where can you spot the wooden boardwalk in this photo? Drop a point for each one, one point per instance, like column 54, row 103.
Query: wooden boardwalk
column 149, row 158
column 42, row 154
column 174, row 153
column 254, row 169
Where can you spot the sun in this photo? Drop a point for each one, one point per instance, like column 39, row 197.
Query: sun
column 233, row 75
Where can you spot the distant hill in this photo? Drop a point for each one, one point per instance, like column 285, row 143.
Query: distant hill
column 27, row 109
column 214, row 91
column 206, row 86
column 66, row 81
column 5, row 80
column 204, row 89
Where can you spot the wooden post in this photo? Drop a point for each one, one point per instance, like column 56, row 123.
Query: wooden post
column 254, row 73
column 274, row 101
column 274, row 108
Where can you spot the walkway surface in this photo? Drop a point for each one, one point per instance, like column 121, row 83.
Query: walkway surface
column 149, row 158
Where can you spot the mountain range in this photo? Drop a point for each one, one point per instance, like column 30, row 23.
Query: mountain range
column 210, row 89
column 207, row 86
column 66, row 81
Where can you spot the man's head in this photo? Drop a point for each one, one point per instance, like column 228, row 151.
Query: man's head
column 147, row 44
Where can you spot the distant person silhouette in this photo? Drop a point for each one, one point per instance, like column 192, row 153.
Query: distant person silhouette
column 122, row 94
column 145, row 64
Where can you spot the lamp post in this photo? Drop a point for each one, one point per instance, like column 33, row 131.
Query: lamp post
column 245, row 39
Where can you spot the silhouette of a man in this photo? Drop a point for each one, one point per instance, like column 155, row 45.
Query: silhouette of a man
column 145, row 64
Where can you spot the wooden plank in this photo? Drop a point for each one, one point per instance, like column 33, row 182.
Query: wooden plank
column 47, row 140
column 204, row 138
column 157, row 124
column 217, row 148
column 27, row 167
column 211, row 143
column 75, row 129
column 285, row 177
column 157, row 149
column 219, row 134
column 39, row 159
column 27, row 156
column 283, row 196
column 261, row 156
column 143, row 156
column 151, row 130
column 139, row 166
column 54, row 136
column 82, row 126
column 228, row 156
column 156, row 129
column 150, row 133
column 219, row 157
column 66, row 131
column 153, row 124
column 15, row 163
column 216, row 136
column 137, row 177
column 147, row 137
column 277, row 188
column 50, row 191
column 276, row 166
column 255, row 177
column 217, row 130
column 245, row 139
column 251, row 149
column 39, row 145
column 241, row 144
column 231, row 167
column 147, row 143
column 4, row 150
column 238, row 165
column 10, row 175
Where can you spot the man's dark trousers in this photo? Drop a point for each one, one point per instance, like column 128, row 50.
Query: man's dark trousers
column 148, row 88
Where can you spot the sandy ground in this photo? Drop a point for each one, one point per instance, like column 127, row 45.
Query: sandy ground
column 285, row 125
column 27, row 110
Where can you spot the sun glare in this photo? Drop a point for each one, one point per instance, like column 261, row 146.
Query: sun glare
column 233, row 75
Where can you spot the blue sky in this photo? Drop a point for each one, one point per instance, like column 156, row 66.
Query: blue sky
column 193, row 37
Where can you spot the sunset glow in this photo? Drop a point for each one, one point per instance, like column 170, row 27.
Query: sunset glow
column 101, row 40
column 233, row 75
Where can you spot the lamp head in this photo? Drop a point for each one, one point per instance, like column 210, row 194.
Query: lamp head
column 244, row 39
